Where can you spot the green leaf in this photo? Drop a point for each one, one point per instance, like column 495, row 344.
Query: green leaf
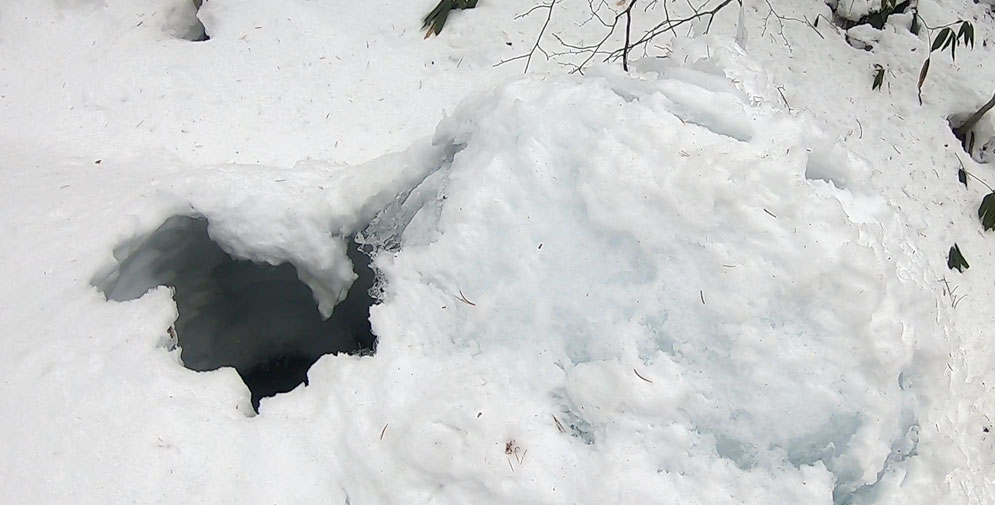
column 940, row 39
column 430, row 18
column 956, row 260
column 986, row 212
column 950, row 40
column 440, row 21
column 878, row 77
column 436, row 19
column 915, row 28
column 922, row 77
column 962, row 176
column 968, row 33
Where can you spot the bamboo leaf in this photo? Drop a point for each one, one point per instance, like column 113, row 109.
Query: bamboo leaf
column 986, row 212
column 949, row 40
column 940, row 39
column 878, row 77
column 956, row 260
column 922, row 73
column 440, row 21
column 966, row 32
column 436, row 20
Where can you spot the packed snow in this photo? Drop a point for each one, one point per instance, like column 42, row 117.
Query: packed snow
column 292, row 252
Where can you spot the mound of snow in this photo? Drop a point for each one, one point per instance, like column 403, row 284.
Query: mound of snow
column 641, row 274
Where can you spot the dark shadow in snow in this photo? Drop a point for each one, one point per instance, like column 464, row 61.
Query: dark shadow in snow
column 976, row 139
column 184, row 23
column 855, row 30
column 876, row 19
column 258, row 318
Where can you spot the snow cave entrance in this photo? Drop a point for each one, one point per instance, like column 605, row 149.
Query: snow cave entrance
column 257, row 318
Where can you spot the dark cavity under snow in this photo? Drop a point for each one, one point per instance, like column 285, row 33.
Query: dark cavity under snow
column 257, row 318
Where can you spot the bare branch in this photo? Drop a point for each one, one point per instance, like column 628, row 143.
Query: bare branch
column 549, row 15
column 628, row 29
column 961, row 131
column 705, row 11
column 671, row 25
column 535, row 47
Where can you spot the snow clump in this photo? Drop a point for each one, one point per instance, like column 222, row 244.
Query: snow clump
column 669, row 301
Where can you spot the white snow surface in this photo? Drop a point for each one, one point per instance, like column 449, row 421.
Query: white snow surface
column 718, row 278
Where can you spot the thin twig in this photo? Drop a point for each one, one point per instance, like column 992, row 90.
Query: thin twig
column 558, row 425
column 628, row 30
column 549, row 15
column 780, row 22
column 535, row 47
column 975, row 177
column 670, row 24
column 463, row 299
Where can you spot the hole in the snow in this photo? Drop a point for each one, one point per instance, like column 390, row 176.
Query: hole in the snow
column 975, row 133
column 185, row 24
column 844, row 17
column 258, row 318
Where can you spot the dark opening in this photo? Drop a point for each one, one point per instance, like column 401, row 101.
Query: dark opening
column 877, row 19
column 196, row 32
column 185, row 24
column 258, row 318
column 975, row 133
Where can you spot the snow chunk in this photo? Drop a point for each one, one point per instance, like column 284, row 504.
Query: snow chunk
column 699, row 291
column 182, row 21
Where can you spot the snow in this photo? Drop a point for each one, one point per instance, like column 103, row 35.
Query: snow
column 718, row 278
column 673, row 248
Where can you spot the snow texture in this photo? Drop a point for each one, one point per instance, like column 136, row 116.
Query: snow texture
column 692, row 292
column 719, row 278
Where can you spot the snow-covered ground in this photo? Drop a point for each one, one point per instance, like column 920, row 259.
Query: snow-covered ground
column 718, row 278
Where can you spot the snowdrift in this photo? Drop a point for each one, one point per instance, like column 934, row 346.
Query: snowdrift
column 601, row 289
column 687, row 286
